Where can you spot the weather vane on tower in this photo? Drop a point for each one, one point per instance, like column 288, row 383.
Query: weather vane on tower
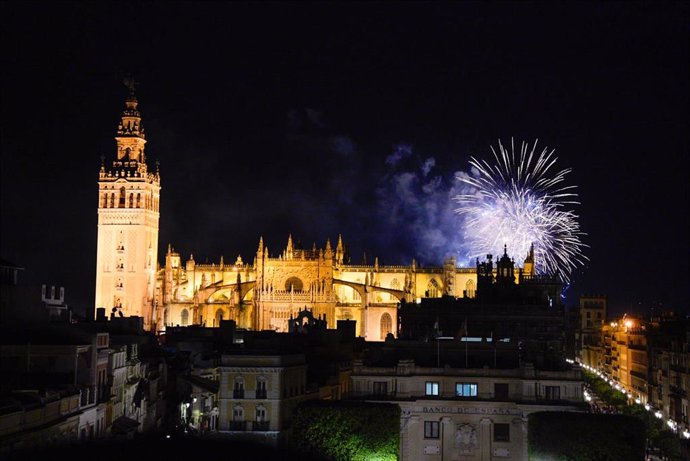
column 130, row 83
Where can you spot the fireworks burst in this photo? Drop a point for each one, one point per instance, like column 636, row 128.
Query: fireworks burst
column 518, row 202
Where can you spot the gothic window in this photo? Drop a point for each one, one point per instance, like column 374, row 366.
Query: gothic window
column 139, row 200
column 469, row 289
column 294, row 284
column 219, row 317
column 105, row 200
column 386, row 325
column 396, row 286
column 123, row 194
column 184, row 317
column 432, row 289
column 131, row 200
column 356, row 295
column 112, row 200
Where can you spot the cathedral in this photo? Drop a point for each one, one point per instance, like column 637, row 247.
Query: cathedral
column 264, row 294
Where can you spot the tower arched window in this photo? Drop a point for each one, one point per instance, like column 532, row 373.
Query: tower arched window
column 184, row 317
column 123, row 195
column 105, row 200
column 112, row 200
column 139, row 200
column 386, row 325
column 131, row 200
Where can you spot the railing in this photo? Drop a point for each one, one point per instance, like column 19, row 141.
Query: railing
column 238, row 394
column 261, row 393
column 238, row 425
column 260, row 425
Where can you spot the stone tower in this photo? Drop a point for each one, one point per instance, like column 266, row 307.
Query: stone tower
column 128, row 212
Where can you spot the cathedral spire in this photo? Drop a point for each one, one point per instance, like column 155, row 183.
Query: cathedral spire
column 339, row 253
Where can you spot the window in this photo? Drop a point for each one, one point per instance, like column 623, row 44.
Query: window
column 432, row 289
column 380, row 388
column 553, row 392
column 501, row 432
column 431, row 429
column 431, row 388
column 293, row 284
column 238, row 390
column 386, row 325
column 501, row 391
column 184, row 317
column 238, row 413
column 260, row 414
column 466, row 389
column 123, row 194
column 219, row 317
column 469, row 289
column 261, row 388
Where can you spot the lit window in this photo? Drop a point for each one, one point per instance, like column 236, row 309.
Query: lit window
column 501, row 432
column 466, row 389
column 431, row 429
column 432, row 388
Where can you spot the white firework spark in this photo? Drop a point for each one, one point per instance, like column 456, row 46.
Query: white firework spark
column 518, row 202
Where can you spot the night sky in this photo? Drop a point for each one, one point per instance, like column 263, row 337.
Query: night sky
column 277, row 118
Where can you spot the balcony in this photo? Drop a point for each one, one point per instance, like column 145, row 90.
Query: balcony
column 261, row 426
column 238, row 394
column 677, row 391
column 261, row 393
column 238, row 425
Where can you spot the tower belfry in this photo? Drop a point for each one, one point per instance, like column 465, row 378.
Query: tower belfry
column 128, row 214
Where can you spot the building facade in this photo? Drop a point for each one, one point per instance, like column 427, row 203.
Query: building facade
column 258, row 394
column 464, row 413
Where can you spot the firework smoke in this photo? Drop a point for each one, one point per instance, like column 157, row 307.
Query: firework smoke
column 519, row 201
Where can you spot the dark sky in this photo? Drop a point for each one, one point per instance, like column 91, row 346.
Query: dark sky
column 272, row 118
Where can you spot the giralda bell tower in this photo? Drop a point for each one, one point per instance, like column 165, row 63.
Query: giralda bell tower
column 128, row 212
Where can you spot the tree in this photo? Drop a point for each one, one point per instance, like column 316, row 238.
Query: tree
column 355, row 431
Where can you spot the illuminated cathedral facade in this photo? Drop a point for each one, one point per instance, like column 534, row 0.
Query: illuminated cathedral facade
column 264, row 294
